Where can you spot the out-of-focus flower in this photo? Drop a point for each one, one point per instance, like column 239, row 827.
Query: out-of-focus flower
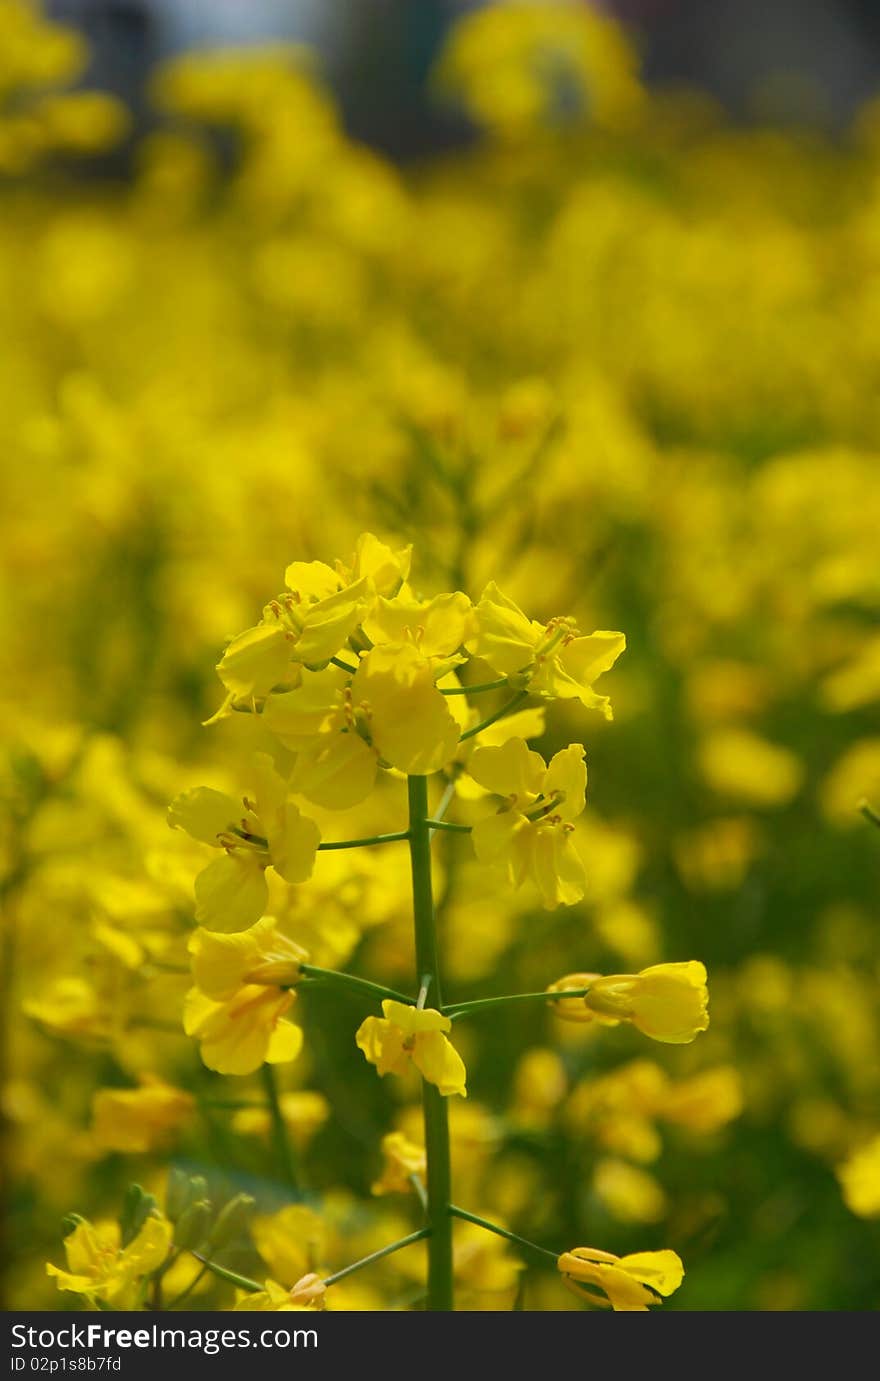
column 519, row 66
column 141, row 1119
column 859, row 1177
column 263, row 955
column 273, row 1298
column 705, row 1101
column 99, row 1268
column 292, row 1242
column 304, row 1111
column 236, row 1036
column 401, row 1159
column 630, row 1194
column 740, row 764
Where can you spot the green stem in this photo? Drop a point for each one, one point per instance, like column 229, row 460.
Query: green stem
column 443, row 804
column 464, row 1009
column 523, row 1242
column 474, row 690
column 436, row 1113
column 421, row 1193
column 350, row 980
column 377, row 1256
column 361, row 843
column 338, row 662
column 283, row 1149
column 243, row 1282
column 448, row 825
column 493, row 718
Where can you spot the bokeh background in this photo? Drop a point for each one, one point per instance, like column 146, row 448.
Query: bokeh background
column 584, row 299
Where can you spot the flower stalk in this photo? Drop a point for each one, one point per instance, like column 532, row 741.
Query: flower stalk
column 435, row 1107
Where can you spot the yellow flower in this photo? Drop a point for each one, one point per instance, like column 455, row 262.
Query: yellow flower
column 629, row 1284
column 237, row 1007
column 311, row 621
column 402, row 1159
column 292, row 1241
column 231, row 893
column 553, row 659
column 308, row 625
column 304, row 1112
column 518, row 67
column 408, row 1034
column 236, row 1036
column 737, row 763
column 336, row 764
column 437, row 627
column 138, row 1120
column 631, row 1195
column 223, row 964
column 666, row 1001
column 406, row 717
column 530, row 836
column 860, row 1180
column 99, row 1268
column 309, row 1291
column 273, row 1299
column 705, row 1101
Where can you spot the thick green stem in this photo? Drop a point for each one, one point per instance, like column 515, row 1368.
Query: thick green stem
column 440, row 1293
column 280, row 1138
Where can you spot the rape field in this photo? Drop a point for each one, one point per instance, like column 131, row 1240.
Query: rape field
column 613, row 365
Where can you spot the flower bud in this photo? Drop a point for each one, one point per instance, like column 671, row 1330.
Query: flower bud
column 192, row 1225
column 309, row 1290
column 230, row 1220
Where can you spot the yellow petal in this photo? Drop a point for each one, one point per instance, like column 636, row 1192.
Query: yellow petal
column 567, row 777
column 205, row 813
column 512, row 769
column 382, row 1044
column 311, row 580
column 662, row 1271
column 231, row 893
column 384, row 568
column 339, row 774
column 285, row 1043
column 439, row 1062
column 255, row 661
column 293, row 844
column 410, row 722
column 410, row 1019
